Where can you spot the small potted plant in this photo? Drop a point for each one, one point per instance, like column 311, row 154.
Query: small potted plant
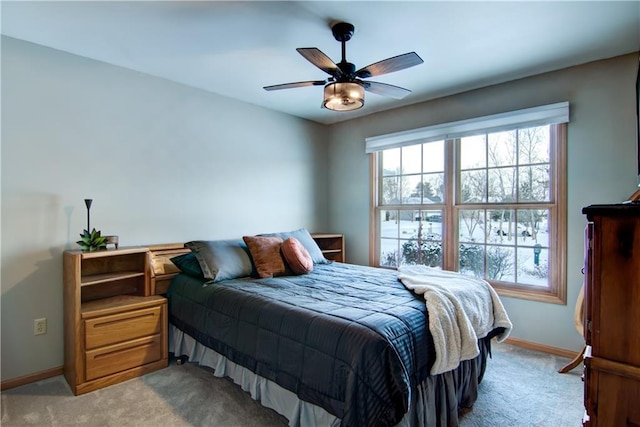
column 91, row 241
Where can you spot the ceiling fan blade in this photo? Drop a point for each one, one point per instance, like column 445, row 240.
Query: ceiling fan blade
column 390, row 65
column 384, row 89
column 296, row 84
column 320, row 60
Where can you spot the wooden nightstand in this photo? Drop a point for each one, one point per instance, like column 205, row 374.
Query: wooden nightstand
column 114, row 328
column 331, row 244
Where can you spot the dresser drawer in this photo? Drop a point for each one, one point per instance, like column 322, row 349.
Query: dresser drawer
column 119, row 357
column 121, row 327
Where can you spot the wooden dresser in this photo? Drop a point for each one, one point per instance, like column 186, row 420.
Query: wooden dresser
column 612, row 316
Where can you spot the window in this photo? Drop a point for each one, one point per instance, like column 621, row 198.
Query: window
column 488, row 203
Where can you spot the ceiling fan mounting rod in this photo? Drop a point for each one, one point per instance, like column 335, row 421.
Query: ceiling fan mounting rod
column 342, row 32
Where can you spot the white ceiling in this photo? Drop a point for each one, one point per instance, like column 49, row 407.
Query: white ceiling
column 236, row 48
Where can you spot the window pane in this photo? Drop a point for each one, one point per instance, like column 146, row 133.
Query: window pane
column 411, row 190
column 389, row 224
column 473, row 152
column 471, row 226
column 433, row 188
column 431, row 223
column 409, row 224
column 471, row 260
column 501, row 147
column 412, row 159
column 473, row 186
column 433, row 156
column 533, row 266
column 533, row 183
column 391, row 190
column 501, row 262
column 501, row 227
column 390, row 162
column 534, row 145
column 389, row 252
column 422, row 252
column 422, row 236
column 532, row 227
column 502, row 185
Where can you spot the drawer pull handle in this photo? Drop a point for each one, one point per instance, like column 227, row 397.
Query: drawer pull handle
column 135, row 347
column 128, row 319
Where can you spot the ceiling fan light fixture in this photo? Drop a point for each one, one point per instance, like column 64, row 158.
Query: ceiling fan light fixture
column 343, row 96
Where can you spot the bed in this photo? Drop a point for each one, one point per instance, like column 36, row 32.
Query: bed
column 339, row 345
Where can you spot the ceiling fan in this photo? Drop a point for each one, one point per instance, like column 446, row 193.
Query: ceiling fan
column 344, row 89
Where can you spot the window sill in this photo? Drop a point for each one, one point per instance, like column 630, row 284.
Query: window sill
column 531, row 294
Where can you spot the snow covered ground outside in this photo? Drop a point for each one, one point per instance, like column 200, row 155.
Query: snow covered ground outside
column 518, row 247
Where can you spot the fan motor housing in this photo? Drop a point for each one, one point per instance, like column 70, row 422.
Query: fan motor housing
column 347, row 68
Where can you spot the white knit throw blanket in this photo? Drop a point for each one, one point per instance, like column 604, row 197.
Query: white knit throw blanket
column 462, row 309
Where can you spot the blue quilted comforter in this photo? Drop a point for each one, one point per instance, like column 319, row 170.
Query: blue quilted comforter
column 348, row 338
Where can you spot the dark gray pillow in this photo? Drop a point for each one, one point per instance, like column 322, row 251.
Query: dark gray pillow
column 222, row 259
column 307, row 241
column 188, row 264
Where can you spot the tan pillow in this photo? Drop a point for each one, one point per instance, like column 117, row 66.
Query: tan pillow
column 297, row 256
column 162, row 264
column 266, row 255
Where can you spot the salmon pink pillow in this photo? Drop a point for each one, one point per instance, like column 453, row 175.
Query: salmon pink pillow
column 297, row 256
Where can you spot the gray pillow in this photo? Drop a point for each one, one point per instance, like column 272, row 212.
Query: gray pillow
column 222, row 259
column 307, row 241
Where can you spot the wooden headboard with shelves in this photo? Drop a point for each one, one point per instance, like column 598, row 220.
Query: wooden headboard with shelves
column 162, row 269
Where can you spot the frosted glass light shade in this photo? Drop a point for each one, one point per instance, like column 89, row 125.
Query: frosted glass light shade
column 343, row 96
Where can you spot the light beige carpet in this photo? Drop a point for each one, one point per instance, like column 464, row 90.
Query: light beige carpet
column 520, row 388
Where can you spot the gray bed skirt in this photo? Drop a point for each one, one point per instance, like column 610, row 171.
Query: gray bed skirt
column 435, row 402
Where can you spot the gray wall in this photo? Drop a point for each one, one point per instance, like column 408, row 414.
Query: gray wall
column 601, row 166
column 163, row 163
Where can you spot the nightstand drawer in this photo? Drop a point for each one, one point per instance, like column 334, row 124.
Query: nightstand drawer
column 119, row 357
column 121, row 327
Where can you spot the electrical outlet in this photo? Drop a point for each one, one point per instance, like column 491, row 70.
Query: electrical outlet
column 40, row 326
